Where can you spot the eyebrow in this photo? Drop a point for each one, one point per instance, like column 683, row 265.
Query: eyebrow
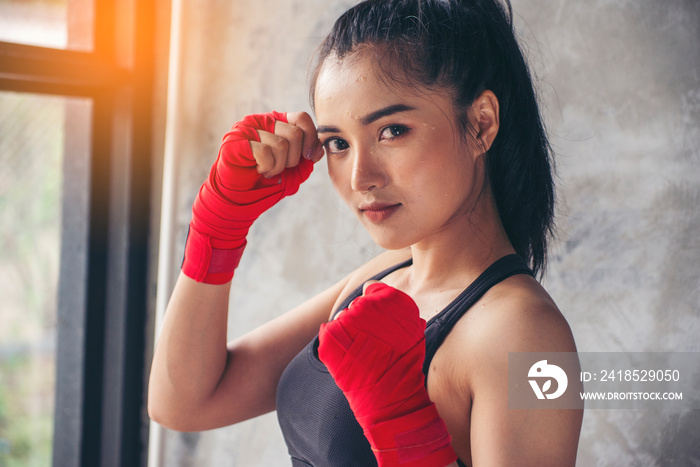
column 372, row 117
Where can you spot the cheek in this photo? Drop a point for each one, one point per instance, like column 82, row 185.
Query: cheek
column 444, row 177
column 339, row 178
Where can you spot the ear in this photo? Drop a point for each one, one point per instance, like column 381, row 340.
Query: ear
column 484, row 111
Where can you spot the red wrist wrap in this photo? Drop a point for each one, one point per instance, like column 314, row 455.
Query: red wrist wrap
column 232, row 198
column 418, row 439
column 374, row 350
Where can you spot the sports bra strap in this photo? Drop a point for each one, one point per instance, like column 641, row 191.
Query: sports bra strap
column 441, row 324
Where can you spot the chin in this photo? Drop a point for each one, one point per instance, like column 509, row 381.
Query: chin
column 390, row 242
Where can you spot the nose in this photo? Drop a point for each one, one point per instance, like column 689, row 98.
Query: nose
column 367, row 171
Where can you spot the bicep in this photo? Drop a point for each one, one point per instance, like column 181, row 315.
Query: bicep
column 528, row 437
column 256, row 361
column 501, row 436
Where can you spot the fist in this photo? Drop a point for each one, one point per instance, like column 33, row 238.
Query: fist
column 260, row 147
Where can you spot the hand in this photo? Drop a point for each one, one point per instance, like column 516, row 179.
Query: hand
column 264, row 158
column 374, row 350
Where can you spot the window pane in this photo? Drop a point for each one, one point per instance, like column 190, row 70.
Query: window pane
column 32, row 146
column 63, row 24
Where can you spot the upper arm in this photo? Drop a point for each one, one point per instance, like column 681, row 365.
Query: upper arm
column 501, row 436
column 256, row 360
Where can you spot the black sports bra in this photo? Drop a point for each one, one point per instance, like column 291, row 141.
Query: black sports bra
column 317, row 423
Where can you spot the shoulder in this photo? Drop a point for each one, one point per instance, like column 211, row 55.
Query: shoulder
column 516, row 315
column 376, row 265
column 523, row 315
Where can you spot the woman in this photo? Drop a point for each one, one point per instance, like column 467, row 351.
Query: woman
column 428, row 119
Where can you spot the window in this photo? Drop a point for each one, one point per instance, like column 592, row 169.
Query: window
column 32, row 156
column 76, row 168
column 63, row 24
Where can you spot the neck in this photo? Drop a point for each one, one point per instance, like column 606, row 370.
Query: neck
column 462, row 249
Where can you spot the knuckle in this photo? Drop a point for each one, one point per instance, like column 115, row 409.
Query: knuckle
column 305, row 117
column 266, row 150
column 265, row 155
column 282, row 144
column 302, row 119
column 297, row 133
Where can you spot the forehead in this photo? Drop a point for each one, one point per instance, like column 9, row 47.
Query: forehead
column 337, row 75
column 358, row 81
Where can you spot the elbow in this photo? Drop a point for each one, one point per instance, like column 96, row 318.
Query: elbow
column 162, row 403
column 168, row 417
column 160, row 414
column 157, row 410
column 174, row 412
column 156, row 413
column 162, row 410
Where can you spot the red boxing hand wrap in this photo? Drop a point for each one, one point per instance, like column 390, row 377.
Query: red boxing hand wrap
column 232, row 198
column 374, row 350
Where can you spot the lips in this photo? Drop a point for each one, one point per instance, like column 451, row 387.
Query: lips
column 378, row 212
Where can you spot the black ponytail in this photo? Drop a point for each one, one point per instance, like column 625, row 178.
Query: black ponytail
column 468, row 46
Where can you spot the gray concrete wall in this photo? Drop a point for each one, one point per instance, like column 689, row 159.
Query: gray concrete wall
column 621, row 84
column 620, row 81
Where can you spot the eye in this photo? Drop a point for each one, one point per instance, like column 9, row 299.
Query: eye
column 335, row 145
column 392, row 132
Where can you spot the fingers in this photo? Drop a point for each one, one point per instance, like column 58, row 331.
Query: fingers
column 271, row 153
column 287, row 145
column 312, row 148
column 294, row 135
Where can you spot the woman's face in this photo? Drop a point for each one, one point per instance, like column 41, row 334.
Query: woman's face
column 394, row 153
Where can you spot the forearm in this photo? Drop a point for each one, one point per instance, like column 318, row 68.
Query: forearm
column 259, row 163
column 190, row 356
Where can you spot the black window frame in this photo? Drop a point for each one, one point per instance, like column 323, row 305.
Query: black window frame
column 106, row 286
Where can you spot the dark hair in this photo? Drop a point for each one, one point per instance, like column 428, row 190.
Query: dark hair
column 468, row 46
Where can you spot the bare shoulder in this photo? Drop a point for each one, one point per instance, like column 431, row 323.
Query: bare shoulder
column 374, row 266
column 517, row 315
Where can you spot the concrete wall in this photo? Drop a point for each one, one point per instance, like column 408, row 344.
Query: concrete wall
column 620, row 81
